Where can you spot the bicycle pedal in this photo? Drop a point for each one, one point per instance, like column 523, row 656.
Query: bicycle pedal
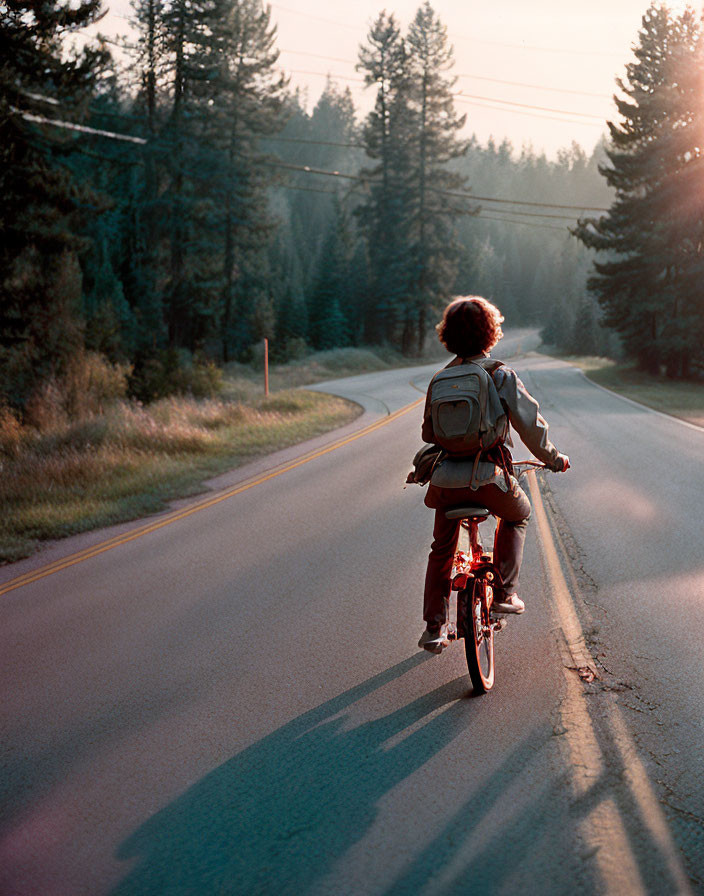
column 451, row 632
column 498, row 624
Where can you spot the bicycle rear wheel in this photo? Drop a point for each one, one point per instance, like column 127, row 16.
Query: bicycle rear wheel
column 478, row 636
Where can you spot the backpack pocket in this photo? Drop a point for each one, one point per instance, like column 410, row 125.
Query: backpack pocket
column 456, row 409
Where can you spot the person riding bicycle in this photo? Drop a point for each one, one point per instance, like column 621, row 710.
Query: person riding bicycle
column 470, row 328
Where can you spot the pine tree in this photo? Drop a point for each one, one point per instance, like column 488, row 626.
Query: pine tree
column 649, row 286
column 195, row 52
column 436, row 144
column 332, row 296
column 385, row 216
column 247, row 106
column 149, row 216
column 42, row 205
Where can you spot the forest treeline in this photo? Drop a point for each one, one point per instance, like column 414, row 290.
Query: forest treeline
column 172, row 212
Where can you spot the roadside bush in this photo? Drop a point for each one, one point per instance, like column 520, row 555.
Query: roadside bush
column 89, row 385
column 174, row 372
column 10, row 431
column 296, row 348
column 203, row 379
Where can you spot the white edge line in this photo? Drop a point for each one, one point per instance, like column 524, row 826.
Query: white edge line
column 632, row 401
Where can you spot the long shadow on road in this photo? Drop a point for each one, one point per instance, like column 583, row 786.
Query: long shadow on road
column 275, row 818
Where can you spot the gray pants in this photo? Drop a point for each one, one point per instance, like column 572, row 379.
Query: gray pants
column 513, row 511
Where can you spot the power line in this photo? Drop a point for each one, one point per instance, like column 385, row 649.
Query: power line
column 338, row 77
column 552, row 89
column 307, row 15
column 528, row 106
column 300, row 140
column 611, row 54
column 515, row 211
column 82, row 128
column 484, row 217
column 334, row 77
column 306, row 142
column 481, row 214
column 524, row 112
column 307, row 189
column 41, row 99
column 467, row 98
column 469, row 75
column 473, row 39
column 577, row 208
column 307, row 169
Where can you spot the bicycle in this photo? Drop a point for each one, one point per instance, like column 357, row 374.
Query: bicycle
column 474, row 577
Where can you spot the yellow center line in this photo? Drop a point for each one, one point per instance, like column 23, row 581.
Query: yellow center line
column 93, row 551
column 560, row 591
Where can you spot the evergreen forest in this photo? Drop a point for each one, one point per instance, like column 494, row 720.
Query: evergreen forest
column 176, row 209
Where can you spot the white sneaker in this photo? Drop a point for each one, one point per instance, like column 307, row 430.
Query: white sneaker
column 435, row 642
column 509, row 603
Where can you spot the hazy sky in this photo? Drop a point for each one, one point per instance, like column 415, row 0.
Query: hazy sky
column 560, row 55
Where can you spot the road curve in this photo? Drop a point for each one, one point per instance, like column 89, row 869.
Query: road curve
column 234, row 702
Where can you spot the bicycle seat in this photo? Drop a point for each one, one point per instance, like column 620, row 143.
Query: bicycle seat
column 467, row 511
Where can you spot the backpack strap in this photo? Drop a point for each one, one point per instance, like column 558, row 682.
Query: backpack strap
column 493, row 366
column 483, row 398
column 490, row 368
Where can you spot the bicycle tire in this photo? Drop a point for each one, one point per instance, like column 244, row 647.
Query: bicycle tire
column 478, row 636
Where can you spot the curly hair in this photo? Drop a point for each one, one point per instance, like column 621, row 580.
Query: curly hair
column 470, row 325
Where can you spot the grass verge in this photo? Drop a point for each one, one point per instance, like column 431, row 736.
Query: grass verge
column 683, row 399
column 130, row 460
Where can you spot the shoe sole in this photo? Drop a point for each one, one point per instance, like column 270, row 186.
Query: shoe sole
column 434, row 646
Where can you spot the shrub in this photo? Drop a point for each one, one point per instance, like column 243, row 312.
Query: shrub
column 170, row 372
column 45, row 407
column 10, row 431
column 91, row 383
column 204, row 379
column 87, row 387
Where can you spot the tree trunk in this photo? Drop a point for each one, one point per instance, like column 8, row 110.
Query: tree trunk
column 422, row 318
column 229, row 263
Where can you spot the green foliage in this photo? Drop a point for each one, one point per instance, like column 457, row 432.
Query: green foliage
column 331, row 296
column 174, row 372
column 386, row 216
column 42, row 207
column 649, row 284
column 217, row 231
column 410, row 216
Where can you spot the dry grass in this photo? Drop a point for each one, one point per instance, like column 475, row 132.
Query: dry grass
column 86, row 457
column 67, row 477
column 683, row 399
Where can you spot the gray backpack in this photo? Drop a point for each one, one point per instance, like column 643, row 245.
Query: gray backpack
column 466, row 409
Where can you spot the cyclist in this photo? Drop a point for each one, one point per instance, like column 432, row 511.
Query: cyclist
column 470, row 328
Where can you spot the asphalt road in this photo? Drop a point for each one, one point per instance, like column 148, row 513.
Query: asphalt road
column 233, row 701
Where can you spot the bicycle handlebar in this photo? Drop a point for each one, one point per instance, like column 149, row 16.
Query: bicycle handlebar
column 536, row 464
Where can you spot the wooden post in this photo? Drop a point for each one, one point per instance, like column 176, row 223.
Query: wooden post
column 266, row 367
